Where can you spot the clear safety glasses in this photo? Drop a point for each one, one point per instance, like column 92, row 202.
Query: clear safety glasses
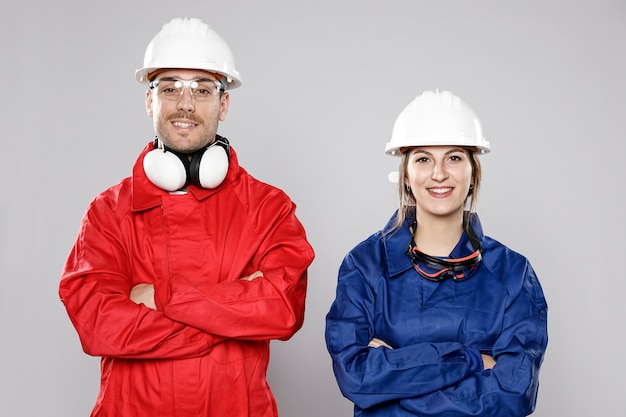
column 201, row 89
column 437, row 269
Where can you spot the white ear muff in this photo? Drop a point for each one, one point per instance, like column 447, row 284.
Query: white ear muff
column 165, row 170
column 213, row 167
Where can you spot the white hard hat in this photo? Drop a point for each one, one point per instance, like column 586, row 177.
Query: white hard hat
column 436, row 118
column 190, row 44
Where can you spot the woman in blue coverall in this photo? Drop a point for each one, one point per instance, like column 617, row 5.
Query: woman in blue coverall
column 432, row 317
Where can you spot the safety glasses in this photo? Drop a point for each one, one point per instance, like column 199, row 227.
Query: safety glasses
column 438, row 269
column 172, row 88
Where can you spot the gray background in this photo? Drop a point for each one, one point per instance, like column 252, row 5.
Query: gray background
column 323, row 83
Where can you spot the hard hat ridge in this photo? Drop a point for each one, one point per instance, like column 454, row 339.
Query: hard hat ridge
column 436, row 118
column 186, row 26
column 189, row 43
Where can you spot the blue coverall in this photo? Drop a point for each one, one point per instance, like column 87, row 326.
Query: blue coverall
column 437, row 331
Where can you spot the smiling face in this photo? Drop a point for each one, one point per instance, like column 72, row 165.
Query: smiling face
column 440, row 178
column 186, row 124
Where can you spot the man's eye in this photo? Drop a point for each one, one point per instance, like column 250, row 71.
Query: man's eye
column 202, row 92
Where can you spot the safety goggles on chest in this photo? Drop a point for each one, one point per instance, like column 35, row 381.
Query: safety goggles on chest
column 439, row 269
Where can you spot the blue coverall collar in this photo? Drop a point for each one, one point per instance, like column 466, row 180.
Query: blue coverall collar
column 395, row 243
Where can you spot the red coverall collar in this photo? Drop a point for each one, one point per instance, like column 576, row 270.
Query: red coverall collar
column 146, row 195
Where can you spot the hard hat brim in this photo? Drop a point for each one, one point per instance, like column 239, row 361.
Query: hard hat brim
column 143, row 75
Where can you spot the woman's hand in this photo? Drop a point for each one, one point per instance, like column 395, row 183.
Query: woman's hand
column 375, row 343
column 488, row 361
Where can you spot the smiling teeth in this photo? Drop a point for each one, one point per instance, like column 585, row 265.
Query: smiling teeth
column 440, row 190
column 183, row 125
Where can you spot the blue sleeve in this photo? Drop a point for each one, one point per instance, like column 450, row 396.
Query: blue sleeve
column 510, row 388
column 437, row 379
column 370, row 376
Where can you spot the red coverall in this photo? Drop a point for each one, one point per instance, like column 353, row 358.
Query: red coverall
column 205, row 350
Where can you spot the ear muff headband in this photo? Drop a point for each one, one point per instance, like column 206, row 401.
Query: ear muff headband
column 171, row 170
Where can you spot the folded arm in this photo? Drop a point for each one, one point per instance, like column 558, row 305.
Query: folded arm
column 436, row 378
column 367, row 370
column 269, row 304
column 96, row 290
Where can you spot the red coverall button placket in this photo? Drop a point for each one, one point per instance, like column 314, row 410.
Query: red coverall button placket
column 184, row 257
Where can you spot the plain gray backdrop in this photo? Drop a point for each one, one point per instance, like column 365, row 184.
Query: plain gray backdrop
column 323, row 82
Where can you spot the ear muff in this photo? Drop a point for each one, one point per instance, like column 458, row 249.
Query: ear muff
column 165, row 169
column 171, row 171
column 209, row 168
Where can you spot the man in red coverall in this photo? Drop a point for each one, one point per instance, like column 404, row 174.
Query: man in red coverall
column 182, row 273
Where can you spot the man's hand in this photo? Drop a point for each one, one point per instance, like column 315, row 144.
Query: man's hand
column 143, row 294
column 488, row 361
column 252, row 276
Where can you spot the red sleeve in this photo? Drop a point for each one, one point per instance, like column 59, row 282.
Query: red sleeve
column 269, row 307
column 95, row 289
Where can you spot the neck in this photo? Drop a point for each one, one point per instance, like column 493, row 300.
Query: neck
column 437, row 236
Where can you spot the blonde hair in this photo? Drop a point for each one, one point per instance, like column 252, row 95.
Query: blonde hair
column 407, row 200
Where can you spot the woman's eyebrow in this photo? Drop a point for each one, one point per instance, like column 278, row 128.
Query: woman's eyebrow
column 423, row 151
column 418, row 150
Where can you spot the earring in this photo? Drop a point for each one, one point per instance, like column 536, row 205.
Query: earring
column 408, row 188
